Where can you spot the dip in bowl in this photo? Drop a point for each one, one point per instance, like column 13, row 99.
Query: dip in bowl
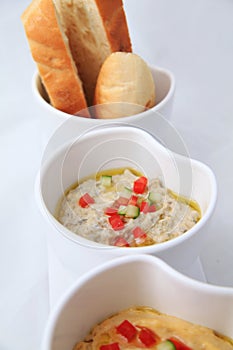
column 121, row 207
column 122, row 147
column 183, row 307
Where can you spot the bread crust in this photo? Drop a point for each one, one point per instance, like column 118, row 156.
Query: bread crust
column 114, row 20
column 124, row 87
column 95, row 29
column 50, row 50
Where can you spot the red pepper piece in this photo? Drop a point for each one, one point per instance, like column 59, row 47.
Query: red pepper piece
column 148, row 337
column 127, row 329
column 116, row 222
column 110, row 211
column 179, row 344
column 133, row 200
column 144, row 207
column 85, row 200
column 139, row 234
column 152, row 208
column 140, row 184
column 120, row 201
column 112, row 346
column 121, row 242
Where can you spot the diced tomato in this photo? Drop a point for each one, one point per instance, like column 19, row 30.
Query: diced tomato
column 139, row 234
column 133, row 200
column 152, row 208
column 144, row 207
column 140, row 184
column 121, row 242
column 112, row 346
column 110, row 211
column 179, row 344
column 127, row 329
column 116, row 222
column 148, row 337
column 85, row 200
column 120, row 201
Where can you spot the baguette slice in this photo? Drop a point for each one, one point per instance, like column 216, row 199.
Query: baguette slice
column 95, row 29
column 50, row 50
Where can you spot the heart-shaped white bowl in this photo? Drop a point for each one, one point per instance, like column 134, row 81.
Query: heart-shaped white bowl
column 114, row 147
column 137, row 280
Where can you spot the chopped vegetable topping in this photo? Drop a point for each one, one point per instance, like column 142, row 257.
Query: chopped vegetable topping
column 124, row 202
column 127, row 192
column 133, row 200
column 132, row 211
column 144, row 207
column 106, row 180
column 140, row 184
column 166, row 345
column 110, row 211
column 121, row 242
column 116, row 222
column 127, row 329
column 152, row 208
column 179, row 345
column 122, row 210
column 154, row 197
column 148, row 337
column 85, row 200
column 139, row 234
column 120, row 201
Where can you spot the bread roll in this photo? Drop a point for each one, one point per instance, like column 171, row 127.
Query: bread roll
column 125, row 86
column 50, row 50
column 95, row 29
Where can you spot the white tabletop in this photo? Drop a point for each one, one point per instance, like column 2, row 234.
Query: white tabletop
column 193, row 39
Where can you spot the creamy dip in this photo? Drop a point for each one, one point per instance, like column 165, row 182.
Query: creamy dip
column 143, row 327
column 156, row 215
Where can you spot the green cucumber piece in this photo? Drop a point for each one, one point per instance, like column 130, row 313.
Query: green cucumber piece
column 132, row 211
column 154, row 197
column 127, row 192
column 166, row 345
column 122, row 210
column 106, row 180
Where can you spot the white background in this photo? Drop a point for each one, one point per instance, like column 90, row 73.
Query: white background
column 193, row 39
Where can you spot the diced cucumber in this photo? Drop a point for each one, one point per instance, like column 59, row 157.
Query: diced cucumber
column 132, row 211
column 166, row 345
column 127, row 192
column 106, row 180
column 122, row 210
column 140, row 200
column 154, row 197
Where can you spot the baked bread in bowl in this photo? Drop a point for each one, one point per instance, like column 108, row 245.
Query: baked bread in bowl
column 124, row 87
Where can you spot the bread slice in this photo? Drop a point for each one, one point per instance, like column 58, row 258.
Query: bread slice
column 124, row 87
column 95, row 29
column 50, row 50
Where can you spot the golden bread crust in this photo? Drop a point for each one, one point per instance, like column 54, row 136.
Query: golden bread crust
column 114, row 20
column 51, row 54
column 126, row 82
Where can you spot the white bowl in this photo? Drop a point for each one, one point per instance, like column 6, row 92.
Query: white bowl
column 139, row 280
column 51, row 118
column 114, row 147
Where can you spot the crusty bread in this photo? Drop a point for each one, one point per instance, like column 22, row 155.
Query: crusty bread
column 50, row 50
column 124, row 87
column 95, row 29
